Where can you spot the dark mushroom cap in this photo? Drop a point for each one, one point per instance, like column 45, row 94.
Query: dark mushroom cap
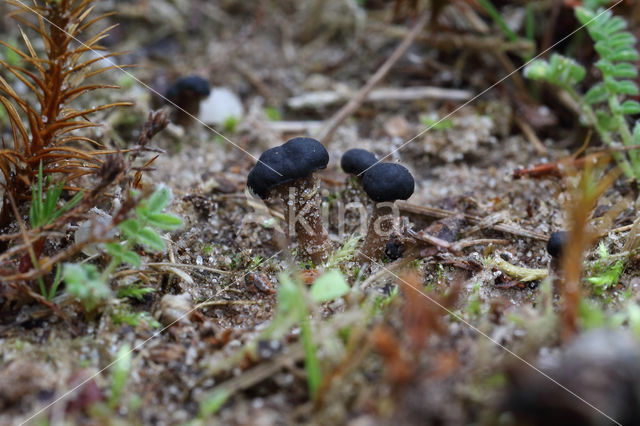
column 356, row 161
column 393, row 250
column 297, row 158
column 388, row 182
column 556, row 243
column 192, row 83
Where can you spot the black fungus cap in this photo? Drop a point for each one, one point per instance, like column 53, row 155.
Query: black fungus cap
column 556, row 243
column 388, row 182
column 192, row 83
column 297, row 158
column 356, row 161
column 393, row 250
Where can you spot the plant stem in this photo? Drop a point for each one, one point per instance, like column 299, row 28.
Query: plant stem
column 310, row 358
column 377, row 236
column 497, row 18
column 56, row 283
column 627, row 139
column 113, row 264
column 590, row 115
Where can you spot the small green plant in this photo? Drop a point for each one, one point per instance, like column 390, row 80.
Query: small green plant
column 123, row 315
column 474, row 308
column 210, row 405
column 256, row 261
column 230, row 124
column 273, row 114
column 382, row 302
column 44, row 207
column 605, row 273
column 44, row 211
column 344, row 254
column 49, row 295
column 497, row 18
column 87, row 284
column 134, row 291
column 591, row 315
column 294, row 308
column 305, row 264
column 329, row 286
column 605, row 106
column 121, row 370
column 433, row 122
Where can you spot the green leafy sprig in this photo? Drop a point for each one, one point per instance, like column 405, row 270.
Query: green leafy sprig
column 605, row 106
column 91, row 287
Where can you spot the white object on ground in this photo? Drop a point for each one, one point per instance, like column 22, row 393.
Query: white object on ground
column 220, row 106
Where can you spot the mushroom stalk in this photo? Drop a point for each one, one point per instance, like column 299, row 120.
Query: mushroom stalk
column 302, row 216
column 378, row 232
column 384, row 183
column 287, row 171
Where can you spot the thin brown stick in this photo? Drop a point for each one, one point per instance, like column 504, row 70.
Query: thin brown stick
column 531, row 136
column 350, row 107
column 50, row 262
column 442, row 213
column 408, row 258
column 23, row 230
column 187, row 265
column 452, row 41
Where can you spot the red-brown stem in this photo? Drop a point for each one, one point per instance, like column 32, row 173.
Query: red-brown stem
column 377, row 235
column 303, row 217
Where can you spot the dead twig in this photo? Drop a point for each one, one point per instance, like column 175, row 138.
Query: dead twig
column 531, row 136
column 253, row 78
column 452, row 41
column 355, row 102
column 225, row 303
column 307, row 126
column 323, row 99
column 442, row 213
column 388, row 269
column 188, row 265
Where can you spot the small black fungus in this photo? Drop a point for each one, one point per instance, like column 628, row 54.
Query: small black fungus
column 393, row 251
column 191, row 85
column 297, row 158
column 356, row 161
column 388, row 182
column 384, row 183
column 388, row 289
column 186, row 93
column 294, row 162
column 556, row 243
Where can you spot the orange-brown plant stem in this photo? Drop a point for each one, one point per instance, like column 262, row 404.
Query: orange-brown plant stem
column 377, row 235
column 301, row 199
column 549, row 169
column 580, row 238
